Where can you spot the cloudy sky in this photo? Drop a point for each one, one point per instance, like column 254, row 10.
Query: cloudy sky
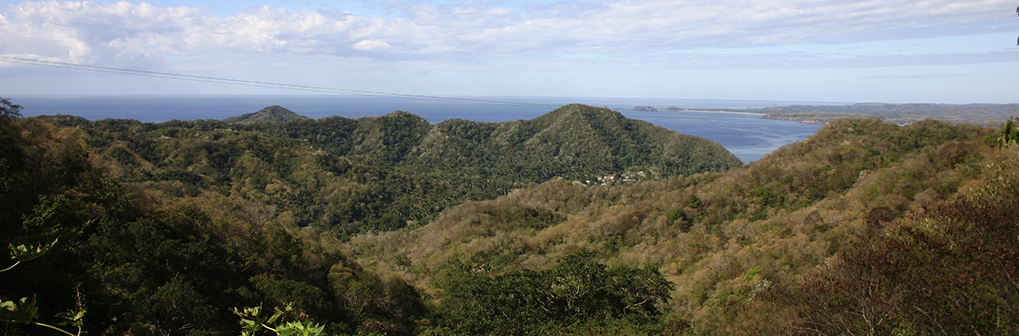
column 944, row 51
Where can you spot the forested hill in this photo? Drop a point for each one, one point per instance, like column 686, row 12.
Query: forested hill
column 577, row 142
column 383, row 173
column 864, row 228
column 185, row 228
column 271, row 113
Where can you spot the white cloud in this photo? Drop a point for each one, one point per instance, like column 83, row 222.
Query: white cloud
column 123, row 33
column 371, row 45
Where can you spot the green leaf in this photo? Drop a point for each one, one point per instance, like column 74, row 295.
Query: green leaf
column 300, row 328
column 21, row 311
column 251, row 320
column 74, row 318
column 25, row 253
column 280, row 313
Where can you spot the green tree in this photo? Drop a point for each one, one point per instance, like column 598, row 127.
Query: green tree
column 578, row 290
column 1008, row 136
column 9, row 110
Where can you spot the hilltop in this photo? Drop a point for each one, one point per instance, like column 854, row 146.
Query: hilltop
column 273, row 113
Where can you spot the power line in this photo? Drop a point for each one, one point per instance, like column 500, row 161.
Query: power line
column 242, row 82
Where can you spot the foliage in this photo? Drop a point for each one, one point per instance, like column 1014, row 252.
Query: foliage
column 9, row 110
column 383, row 173
column 948, row 268
column 390, row 225
column 148, row 262
column 268, row 114
column 578, row 290
column 22, row 253
column 25, row 310
column 253, row 321
column 1008, row 136
column 740, row 245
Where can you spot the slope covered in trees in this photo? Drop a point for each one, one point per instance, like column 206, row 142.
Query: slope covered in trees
column 139, row 263
column 864, row 228
column 383, row 173
column 165, row 228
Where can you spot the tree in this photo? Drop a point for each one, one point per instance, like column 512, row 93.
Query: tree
column 9, row 110
column 578, row 290
column 1008, row 135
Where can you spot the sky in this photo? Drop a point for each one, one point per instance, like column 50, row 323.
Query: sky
column 894, row 51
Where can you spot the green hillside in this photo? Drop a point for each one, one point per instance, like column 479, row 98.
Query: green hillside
column 848, row 232
column 576, row 142
column 383, row 173
column 391, row 225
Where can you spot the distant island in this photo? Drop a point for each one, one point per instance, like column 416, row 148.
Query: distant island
column 976, row 114
column 667, row 109
column 273, row 113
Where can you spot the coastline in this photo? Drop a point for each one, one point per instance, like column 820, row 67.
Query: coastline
column 805, row 121
column 653, row 110
column 699, row 111
column 762, row 115
column 711, row 111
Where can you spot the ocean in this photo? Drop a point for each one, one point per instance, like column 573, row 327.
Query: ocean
column 748, row 136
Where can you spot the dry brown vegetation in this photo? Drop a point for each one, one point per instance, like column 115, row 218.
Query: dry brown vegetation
column 767, row 247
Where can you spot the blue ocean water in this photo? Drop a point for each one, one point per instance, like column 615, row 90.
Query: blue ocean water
column 748, row 136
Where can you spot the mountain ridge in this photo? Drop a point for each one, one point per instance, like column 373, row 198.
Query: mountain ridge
column 604, row 140
column 386, row 172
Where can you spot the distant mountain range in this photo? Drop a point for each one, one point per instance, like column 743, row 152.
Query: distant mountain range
column 977, row 114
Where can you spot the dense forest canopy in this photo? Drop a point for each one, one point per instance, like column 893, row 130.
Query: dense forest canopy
column 383, row 173
column 391, row 225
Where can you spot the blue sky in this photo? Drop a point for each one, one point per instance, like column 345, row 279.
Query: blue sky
column 898, row 51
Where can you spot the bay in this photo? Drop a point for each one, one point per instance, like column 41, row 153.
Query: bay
column 748, row 136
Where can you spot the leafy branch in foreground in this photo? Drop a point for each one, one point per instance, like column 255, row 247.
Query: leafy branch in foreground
column 253, row 321
column 1008, row 136
column 24, row 253
column 24, row 310
column 9, row 110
